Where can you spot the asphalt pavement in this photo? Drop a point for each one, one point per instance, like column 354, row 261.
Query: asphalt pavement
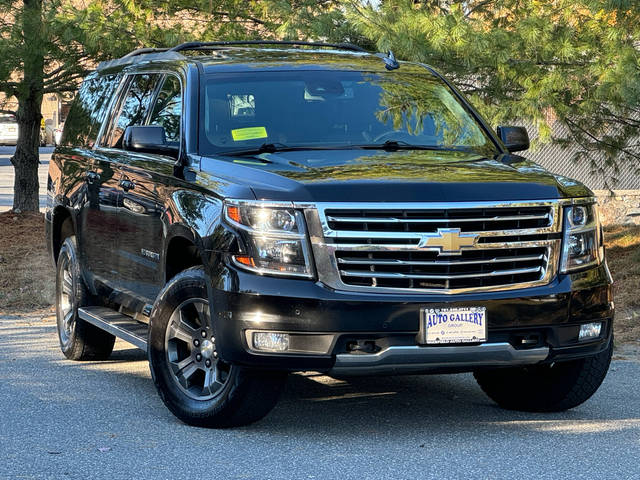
column 7, row 176
column 79, row 420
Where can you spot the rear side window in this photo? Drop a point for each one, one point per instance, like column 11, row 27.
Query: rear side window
column 167, row 109
column 88, row 111
column 133, row 108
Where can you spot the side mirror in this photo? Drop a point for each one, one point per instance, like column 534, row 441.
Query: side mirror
column 515, row 139
column 148, row 139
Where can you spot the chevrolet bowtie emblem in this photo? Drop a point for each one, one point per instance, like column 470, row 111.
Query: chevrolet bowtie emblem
column 448, row 240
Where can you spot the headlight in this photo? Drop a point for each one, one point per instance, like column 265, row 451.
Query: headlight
column 274, row 239
column 582, row 245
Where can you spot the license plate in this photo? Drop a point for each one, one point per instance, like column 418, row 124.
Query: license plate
column 453, row 325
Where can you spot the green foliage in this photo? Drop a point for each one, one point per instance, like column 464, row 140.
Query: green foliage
column 574, row 62
column 75, row 35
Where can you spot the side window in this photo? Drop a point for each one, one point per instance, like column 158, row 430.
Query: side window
column 133, row 108
column 167, row 110
column 88, row 111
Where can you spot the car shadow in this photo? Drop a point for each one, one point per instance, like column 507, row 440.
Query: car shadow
column 413, row 405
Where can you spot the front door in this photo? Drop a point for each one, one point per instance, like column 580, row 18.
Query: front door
column 140, row 227
column 132, row 108
column 146, row 183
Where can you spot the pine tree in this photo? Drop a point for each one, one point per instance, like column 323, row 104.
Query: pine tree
column 572, row 61
column 48, row 46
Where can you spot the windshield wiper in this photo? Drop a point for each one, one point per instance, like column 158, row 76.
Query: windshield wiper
column 389, row 145
column 393, row 145
column 270, row 148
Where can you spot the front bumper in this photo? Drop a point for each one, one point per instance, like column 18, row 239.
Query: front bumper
column 526, row 326
column 414, row 358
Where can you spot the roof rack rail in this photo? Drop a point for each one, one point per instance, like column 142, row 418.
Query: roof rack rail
column 141, row 55
column 148, row 53
column 198, row 45
column 143, row 51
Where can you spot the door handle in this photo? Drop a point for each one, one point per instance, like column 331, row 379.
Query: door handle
column 92, row 176
column 127, row 185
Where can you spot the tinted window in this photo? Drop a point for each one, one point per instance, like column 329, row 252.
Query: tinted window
column 167, row 109
column 133, row 108
column 88, row 111
column 335, row 108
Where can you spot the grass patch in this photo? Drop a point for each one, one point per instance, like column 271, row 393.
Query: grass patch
column 27, row 278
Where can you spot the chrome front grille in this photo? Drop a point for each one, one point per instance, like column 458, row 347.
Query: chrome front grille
column 423, row 221
column 478, row 268
column 441, row 248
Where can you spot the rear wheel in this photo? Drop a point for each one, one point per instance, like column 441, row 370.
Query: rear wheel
column 79, row 340
column 195, row 384
column 546, row 388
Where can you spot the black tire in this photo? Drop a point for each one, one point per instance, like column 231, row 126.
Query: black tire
column 546, row 388
column 79, row 340
column 180, row 318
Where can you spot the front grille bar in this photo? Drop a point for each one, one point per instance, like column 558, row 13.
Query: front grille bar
column 394, row 262
column 413, row 247
column 434, row 220
column 418, row 276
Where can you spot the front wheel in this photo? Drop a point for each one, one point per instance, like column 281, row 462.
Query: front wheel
column 194, row 383
column 546, row 388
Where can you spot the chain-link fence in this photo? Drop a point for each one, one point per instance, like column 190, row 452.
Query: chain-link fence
column 559, row 159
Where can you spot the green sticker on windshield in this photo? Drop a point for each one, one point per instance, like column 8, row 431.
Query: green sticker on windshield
column 249, row 133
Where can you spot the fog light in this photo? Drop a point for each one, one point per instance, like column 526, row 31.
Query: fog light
column 589, row 331
column 271, row 341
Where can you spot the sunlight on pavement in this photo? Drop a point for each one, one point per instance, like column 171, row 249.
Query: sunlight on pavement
column 574, row 426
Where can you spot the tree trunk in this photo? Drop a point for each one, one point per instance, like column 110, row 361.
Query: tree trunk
column 30, row 91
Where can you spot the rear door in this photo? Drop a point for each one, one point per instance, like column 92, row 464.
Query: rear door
column 99, row 216
column 95, row 193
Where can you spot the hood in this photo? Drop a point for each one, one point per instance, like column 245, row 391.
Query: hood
column 401, row 176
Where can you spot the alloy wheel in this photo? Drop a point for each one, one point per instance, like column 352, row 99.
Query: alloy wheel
column 191, row 351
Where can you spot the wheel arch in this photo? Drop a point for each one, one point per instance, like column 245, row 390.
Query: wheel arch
column 192, row 238
column 183, row 250
column 62, row 225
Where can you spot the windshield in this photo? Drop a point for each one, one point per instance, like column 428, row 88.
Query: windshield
column 335, row 109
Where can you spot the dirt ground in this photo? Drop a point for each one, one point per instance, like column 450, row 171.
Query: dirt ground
column 623, row 256
column 27, row 275
column 26, row 272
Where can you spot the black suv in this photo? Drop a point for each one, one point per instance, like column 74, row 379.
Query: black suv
column 242, row 210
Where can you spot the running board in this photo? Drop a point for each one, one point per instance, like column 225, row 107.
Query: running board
column 117, row 324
